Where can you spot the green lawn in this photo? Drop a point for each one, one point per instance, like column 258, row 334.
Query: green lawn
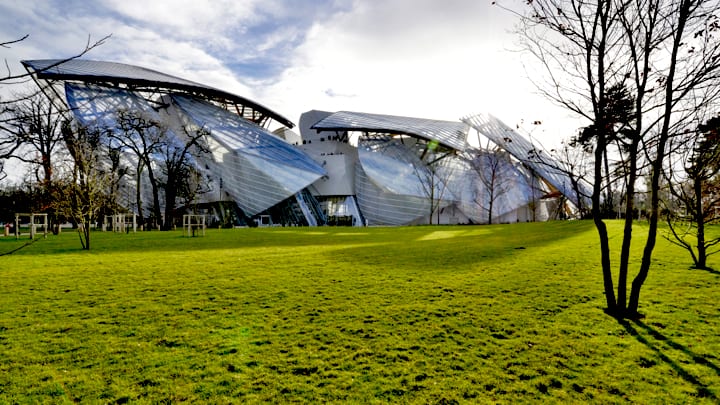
column 502, row 313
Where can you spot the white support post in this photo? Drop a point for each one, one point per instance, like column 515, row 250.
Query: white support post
column 192, row 223
column 45, row 225
column 33, row 225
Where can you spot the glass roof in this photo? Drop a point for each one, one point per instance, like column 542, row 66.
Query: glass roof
column 91, row 71
column 99, row 69
column 98, row 106
column 257, row 168
column 515, row 144
column 448, row 133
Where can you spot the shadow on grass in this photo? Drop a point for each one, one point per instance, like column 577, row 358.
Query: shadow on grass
column 707, row 270
column 454, row 247
column 15, row 249
column 413, row 238
column 642, row 332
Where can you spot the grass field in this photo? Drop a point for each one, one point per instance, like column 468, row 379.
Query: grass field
column 502, row 313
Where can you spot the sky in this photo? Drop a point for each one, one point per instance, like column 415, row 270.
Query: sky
column 421, row 58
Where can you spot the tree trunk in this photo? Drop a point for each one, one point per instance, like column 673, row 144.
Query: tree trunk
column 490, row 211
column 156, row 195
column 170, row 193
column 493, row 192
column 602, row 229
column 657, row 162
column 86, row 234
column 138, row 191
column 47, row 171
column 701, row 262
column 609, row 197
column 627, row 230
column 639, row 280
column 432, row 197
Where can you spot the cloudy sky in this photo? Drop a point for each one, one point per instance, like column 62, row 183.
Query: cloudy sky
column 420, row 58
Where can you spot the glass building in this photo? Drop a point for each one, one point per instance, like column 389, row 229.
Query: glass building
column 343, row 168
column 419, row 171
column 263, row 176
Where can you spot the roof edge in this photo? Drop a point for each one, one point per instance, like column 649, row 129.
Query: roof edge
column 52, row 72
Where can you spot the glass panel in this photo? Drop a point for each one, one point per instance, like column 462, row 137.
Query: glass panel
column 238, row 134
column 449, row 133
column 508, row 139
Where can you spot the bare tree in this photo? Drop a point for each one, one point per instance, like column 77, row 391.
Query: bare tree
column 433, row 172
column 82, row 195
column 178, row 158
column 9, row 143
column 196, row 183
column 144, row 137
column 491, row 167
column 433, row 180
column 35, row 123
column 115, row 174
column 696, row 196
column 572, row 161
column 631, row 68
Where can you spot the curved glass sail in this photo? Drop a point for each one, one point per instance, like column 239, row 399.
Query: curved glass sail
column 380, row 207
column 257, row 168
column 394, row 186
column 100, row 106
column 510, row 140
column 489, row 180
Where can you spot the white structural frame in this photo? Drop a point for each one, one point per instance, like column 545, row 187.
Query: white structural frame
column 119, row 222
column 193, row 222
column 33, row 224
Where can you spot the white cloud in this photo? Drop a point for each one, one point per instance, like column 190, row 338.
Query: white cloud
column 171, row 56
column 65, row 34
column 423, row 58
column 429, row 59
column 186, row 18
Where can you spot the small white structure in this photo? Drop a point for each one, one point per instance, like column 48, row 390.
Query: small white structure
column 121, row 223
column 264, row 220
column 36, row 220
column 192, row 224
